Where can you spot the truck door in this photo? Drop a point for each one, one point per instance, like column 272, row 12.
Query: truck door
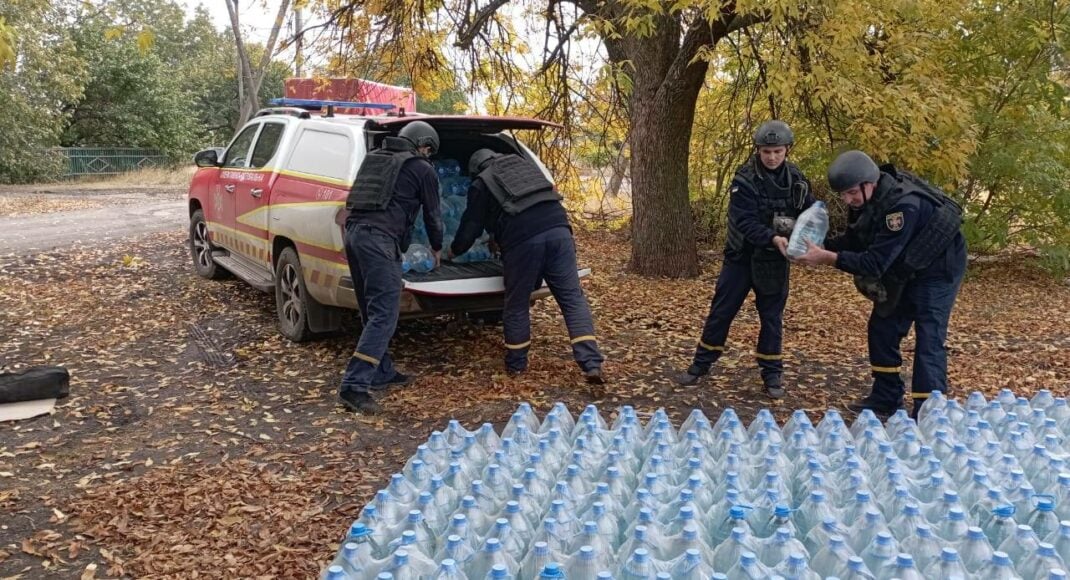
column 232, row 176
column 253, row 194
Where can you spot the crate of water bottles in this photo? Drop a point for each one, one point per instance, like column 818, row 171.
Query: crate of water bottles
column 972, row 490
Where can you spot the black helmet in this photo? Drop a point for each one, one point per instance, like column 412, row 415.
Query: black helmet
column 773, row 133
column 851, row 168
column 478, row 160
column 420, row 134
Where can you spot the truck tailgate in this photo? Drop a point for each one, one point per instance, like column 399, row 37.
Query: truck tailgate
column 452, row 279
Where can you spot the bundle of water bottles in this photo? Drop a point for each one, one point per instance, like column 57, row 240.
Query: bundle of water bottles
column 973, row 490
column 453, row 199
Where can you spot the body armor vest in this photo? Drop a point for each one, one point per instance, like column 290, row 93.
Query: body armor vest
column 517, row 183
column 373, row 188
column 778, row 206
column 927, row 244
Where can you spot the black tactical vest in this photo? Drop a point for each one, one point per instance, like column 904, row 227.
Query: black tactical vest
column 517, row 183
column 373, row 188
column 928, row 243
column 778, row 206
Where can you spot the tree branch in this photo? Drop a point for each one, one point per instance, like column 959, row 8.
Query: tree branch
column 467, row 32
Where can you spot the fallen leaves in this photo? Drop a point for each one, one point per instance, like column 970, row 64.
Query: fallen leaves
column 166, row 463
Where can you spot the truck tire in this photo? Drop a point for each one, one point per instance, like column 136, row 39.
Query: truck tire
column 201, row 247
column 291, row 297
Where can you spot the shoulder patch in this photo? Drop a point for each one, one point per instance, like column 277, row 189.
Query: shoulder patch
column 894, row 221
column 735, row 189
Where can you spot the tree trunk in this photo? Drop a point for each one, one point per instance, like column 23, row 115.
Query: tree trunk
column 666, row 82
column 619, row 167
column 663, row 233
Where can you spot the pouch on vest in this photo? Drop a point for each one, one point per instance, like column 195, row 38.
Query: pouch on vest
column 517, row 184
column 373, row 187
column 883, row 292
column 769, row 271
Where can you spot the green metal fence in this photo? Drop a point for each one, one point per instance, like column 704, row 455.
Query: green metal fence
column 82, row 161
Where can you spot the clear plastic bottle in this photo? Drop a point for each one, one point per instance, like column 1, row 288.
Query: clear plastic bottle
column 882, row 552
column 688, row 539
column 337, row 572
column 638, row 566
column 748, row 568
column 796, row 568
column 499, row 572
column 457, row 549
column 1041, row 562
column 1001, row 526
column 834, row 558
column 975, row 550
column 489, row 555
column 954, row 528
column 924, row 546
column 727, row 553
column 585, row 564
column 903, row 568
column 1061, row 540
column 1022, row 543
column 536, row 559
column 551, row 571
column 448, row 569
column 948, row 566
column 998, row 568
column 690, row 566
column 856, row 570
column 811, row 226
column 818, row 537
column 1043, row 519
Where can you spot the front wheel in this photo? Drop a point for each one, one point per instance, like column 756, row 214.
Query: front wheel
column 201, row 247
column 291, row 297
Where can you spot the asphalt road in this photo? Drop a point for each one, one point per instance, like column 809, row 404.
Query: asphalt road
column 42, row 232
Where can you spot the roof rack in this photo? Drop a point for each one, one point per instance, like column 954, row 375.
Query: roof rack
column 317, row 104
column 291, row 111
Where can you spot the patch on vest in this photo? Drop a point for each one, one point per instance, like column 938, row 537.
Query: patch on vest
column 894, row 221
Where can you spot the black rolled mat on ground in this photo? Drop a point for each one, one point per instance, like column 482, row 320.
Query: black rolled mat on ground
column 34, row 383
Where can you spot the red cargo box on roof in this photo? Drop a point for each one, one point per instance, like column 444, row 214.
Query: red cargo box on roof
column 353, row 90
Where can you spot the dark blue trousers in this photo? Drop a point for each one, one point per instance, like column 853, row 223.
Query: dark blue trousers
column 926, row 305
column 375, row 266
column 733, row 284
column 549, row 256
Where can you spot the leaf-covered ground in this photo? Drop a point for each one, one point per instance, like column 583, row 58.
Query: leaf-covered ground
column 32, row 200
column 199, row 443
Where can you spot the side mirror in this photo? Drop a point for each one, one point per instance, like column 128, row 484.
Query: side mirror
column 208, row 157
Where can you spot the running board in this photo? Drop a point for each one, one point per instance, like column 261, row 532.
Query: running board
column 255, row 276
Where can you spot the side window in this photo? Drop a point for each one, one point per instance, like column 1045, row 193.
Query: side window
column 266, row 144
column 323, row 154
column 239, row 149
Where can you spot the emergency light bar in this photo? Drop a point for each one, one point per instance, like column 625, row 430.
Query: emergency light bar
column 315, row 104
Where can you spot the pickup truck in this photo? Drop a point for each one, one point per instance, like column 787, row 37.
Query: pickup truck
column 270, row 209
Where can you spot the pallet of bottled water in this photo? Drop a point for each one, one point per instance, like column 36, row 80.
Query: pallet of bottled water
column 972, row 490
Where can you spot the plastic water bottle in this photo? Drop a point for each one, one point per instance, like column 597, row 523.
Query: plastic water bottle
column 1061, row 540
column 748, row 568
column 948, row 566
column 449, row 570
column 1001, row 527
column 776, row 548
column 490, row 555
column 457, row 549
column 1043, row 519
column 999, row 568
column 882, row 552
column 727, row 554
column 811, row 226
column 975, row 551
column 796, row 568
column 336, row 572
column 834, row 558
column 536, row 559
column 418, row 258
column 638, row 566
column 586, row 563
column 552, row 571
column 1022, row 543
column 690, row 566
column 1041, row 562
column 924, row 546
column 903, row 568
column 499, row 572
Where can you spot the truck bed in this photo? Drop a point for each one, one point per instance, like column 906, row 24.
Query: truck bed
column 457, row 271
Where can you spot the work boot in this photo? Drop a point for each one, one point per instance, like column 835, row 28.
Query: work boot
column 878, row 406
column 774, row 385
column 690, row 377
column 594, row 376
column 360, row 402
column 398, row 380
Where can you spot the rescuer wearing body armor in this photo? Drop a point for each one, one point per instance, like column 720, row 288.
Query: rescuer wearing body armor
column 768, row 193
column 391, row 186
column 908, row 255
column 512, row 199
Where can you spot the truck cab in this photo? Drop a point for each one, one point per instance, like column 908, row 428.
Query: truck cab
column 270, row 209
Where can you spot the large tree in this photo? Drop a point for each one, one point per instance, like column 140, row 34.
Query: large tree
column 840, row 59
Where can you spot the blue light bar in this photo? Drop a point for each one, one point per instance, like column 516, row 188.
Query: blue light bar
column 315, row 104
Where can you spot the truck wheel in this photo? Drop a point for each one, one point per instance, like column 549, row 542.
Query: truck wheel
column 200, row 248
column 291, row 297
